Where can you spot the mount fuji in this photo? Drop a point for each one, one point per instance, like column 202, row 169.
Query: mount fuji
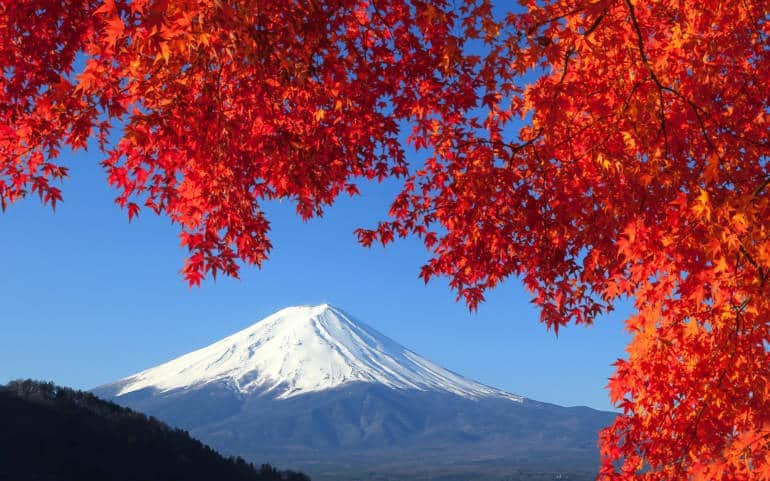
column 311, row 387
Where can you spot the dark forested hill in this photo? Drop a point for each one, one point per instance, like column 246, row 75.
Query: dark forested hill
column 50, row 433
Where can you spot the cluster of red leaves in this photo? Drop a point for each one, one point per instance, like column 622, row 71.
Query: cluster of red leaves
column 641, row 169
column 37, row 109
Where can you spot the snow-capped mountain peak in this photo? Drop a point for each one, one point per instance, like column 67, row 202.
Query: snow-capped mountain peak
column 305, row 349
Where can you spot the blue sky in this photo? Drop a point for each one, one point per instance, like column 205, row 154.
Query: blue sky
column 88, row 298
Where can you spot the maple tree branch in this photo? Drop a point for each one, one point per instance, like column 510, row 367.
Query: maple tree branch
column 564, row 15
column 502, row 145
column 698, row 117
column 749, row 257
column 379, row 15
column 743, row 138
column 743, row 251
column 656, row 79
column 596, row 120
column 567, row 57
column 653, row 75
column 557, row 88
column 640, row 42
column 661, row 87
column 663, row 128
column 761, row 187
column 732, row 341
column 754, row 263
column 596, row 23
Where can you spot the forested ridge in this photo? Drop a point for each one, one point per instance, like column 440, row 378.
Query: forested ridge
column 52, row 433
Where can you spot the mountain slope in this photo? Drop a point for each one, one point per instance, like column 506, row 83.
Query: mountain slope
column 313, row 387
column 50, row 433
column 300, row 350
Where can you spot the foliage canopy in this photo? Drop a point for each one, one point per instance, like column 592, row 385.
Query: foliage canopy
column 594, row 148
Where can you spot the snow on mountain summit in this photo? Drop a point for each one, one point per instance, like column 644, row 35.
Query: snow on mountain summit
column 305, row 349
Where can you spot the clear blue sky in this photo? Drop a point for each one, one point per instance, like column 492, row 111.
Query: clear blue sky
column 88, row 298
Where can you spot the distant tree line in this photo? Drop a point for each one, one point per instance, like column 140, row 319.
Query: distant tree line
column 53, row 433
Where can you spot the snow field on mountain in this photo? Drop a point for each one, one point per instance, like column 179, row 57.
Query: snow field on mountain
column 305, row 349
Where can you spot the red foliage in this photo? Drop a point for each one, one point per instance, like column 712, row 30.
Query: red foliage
column 640, row 169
